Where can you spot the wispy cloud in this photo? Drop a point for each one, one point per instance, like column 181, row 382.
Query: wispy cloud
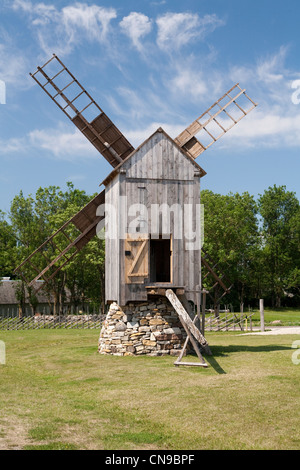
column 276, row 121
column 136, row 26
column 13, row 67
column 173, row 77
column 176, row 30
column 140, row 134
column 62, row 30
column 59, row 142
column 65, row 145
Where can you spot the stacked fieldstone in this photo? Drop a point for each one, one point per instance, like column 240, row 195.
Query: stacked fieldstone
column 145, row 328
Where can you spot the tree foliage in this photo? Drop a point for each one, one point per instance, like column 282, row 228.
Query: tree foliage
column 33, row 221
column 255, row 243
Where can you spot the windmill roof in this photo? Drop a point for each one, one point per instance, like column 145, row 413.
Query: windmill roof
column 8, row 293
column 160, row 130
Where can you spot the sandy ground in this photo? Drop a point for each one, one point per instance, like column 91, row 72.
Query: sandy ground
column 277, row 330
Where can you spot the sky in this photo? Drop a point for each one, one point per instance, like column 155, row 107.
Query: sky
column 151, row 64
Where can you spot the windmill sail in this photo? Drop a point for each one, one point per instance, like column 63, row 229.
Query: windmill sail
column 214, row 276
column 60, row 248
column 70, row 96
column 215, row 121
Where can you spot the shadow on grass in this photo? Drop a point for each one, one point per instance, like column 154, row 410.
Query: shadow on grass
column 224, row 351
column 214, row 364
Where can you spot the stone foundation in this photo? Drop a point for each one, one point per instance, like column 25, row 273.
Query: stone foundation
column 151, row 328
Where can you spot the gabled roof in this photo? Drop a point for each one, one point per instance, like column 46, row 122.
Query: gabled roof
column 159, row 130
column 8, row 294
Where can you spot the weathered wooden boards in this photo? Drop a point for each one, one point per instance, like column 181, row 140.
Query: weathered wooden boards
column 155, row 194
column 190, row 328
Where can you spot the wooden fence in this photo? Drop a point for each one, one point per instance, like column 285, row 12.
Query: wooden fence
column 229, row 321
column 51, row 322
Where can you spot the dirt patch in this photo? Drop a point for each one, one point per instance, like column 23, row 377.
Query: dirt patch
column 285, row 330
column 13, row 434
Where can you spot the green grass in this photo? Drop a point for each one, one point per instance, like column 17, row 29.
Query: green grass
column 286, row 316
column 57, row 392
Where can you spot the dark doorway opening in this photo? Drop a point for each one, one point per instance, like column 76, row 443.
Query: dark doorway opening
column 160, row 260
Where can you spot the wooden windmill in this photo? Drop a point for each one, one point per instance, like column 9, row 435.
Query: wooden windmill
column 161, row 170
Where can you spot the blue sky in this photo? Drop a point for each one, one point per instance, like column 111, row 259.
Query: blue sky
column 150, row 64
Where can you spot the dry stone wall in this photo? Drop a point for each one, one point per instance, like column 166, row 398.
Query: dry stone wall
column 151, row 328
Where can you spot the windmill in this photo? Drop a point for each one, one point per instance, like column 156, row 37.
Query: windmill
column 138, row 263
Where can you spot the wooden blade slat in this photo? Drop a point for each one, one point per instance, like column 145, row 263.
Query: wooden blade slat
column 99, row 130
column 85, row 221
column 187, row 139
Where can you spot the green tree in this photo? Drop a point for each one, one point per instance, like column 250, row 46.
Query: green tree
column 7, row 247
column 280, row 211
column 34, row 220
column 231, row 237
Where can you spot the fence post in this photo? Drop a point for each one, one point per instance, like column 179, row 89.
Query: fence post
column 262, row 314
column 203, row 312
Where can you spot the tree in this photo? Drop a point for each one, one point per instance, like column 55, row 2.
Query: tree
column 231, row 237
column 280, row 212
column 34, row 220
column 7, row 247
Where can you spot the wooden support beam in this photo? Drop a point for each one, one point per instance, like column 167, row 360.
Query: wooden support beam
column 187, row 323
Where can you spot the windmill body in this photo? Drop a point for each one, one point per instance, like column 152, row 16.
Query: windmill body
column 150, row 210
column 156, row 192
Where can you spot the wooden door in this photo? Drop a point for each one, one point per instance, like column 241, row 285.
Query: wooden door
column 136, row 260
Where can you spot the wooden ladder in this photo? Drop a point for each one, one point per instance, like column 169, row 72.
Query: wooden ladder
column 83, row 111
column 213, row 115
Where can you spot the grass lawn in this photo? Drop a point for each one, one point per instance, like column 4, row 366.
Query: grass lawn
column 57, row 392
column 286, row 316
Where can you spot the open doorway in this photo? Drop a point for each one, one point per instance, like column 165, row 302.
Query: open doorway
column 160, row 260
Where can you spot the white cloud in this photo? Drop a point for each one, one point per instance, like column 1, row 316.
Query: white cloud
column 62, row 30
column 12, row 145
column 263, row 128
column 40, row 13
column 178, row 29
column 92, row 20
column 271, row 69
column 189, row 82
column 13, row 67
column 62, row 144
column 139, row 135
column 136, row 26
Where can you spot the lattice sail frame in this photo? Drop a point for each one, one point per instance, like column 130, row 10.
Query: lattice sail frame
column 85, row 222
column 78, row 105
column 213, row 117
column 218, row 278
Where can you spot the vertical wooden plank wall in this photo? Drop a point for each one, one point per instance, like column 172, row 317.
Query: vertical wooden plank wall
column 169, row 178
